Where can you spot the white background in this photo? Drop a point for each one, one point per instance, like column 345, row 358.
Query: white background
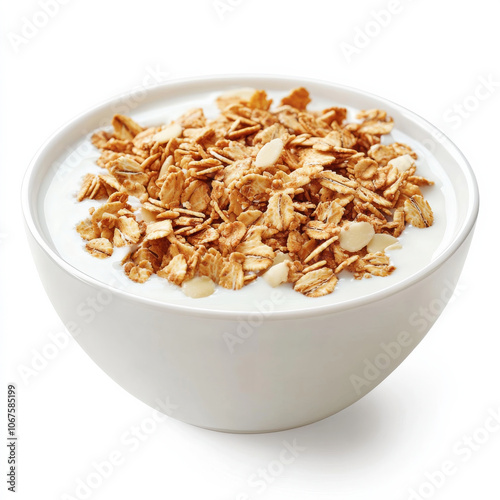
column 432, row 57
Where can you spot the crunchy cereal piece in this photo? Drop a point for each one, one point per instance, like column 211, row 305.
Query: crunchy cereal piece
column 126, row 168
column 302, row 176
column 100, row 138
column 393, row 191
column 280, row 213
column 110, row 184
column 100, row 248
column 382, row 154
column 375, row 122
column 419, row 181
column 330, row 212
column 369, row 175
column 255, row 187
column 313, row 267
column 318, row 230
column 332, row 114
column 139, row 273
column 418, row 212
column 87, row 230
column 211, row 265
column 310, row 157
column 243, row 132
column 298, row 99
column 171, row 190
column 337, row 183
column 125, row 127
column 230, row 236
column 317, row 283
column 346, row 263
column 249, row 217
column 295, row 241
column 371, row 197
column 127, row 230
column 196, row 195
column 234, row 97
column 193, row 118
column 320, row 248
column 280, row 193
column 259, row 100
column 258, row 256
column 159, row 230
column 90, row 187
column 398, row 221
column 175, row 271
column 373, row 264
column 203, row 237
column 231, row 274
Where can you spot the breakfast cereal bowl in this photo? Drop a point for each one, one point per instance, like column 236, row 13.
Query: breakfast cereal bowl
column 261, row 358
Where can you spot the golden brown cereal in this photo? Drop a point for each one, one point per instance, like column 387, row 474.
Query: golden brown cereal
column 317, row 283
column 100, row 248
column 254, row 192
column 418, row 212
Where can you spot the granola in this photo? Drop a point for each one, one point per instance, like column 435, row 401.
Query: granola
column 293, row 195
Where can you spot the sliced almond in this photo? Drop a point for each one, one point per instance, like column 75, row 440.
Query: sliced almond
column 277, row 274
column 147, row 215
column 170, row 132
column 281, row 257
column 356, row 236
column 402, row 163
column 269, row 153
column 381, row 242
column 198, row 287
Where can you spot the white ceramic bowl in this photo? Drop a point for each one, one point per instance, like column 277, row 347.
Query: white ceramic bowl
column 291, row 367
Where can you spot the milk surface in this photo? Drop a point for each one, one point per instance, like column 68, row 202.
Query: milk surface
column 62, row 213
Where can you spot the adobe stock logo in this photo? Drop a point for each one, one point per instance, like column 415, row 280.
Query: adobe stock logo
column 460, row 111
column 32, row 26
column 364, row 35
column 223, row 7
column 462, row 451
column 373, row 369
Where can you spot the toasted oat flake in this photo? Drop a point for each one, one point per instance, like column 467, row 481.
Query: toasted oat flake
column 317, row 283
column 100, row 248
column 158, row 230
column 418, row 212
column 284, row 193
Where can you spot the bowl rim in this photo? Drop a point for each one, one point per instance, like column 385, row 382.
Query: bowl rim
column 226, row 79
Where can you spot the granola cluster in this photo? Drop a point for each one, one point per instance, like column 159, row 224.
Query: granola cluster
column 295, row 195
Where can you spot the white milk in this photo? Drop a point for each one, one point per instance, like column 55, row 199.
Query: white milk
column 63, row 212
